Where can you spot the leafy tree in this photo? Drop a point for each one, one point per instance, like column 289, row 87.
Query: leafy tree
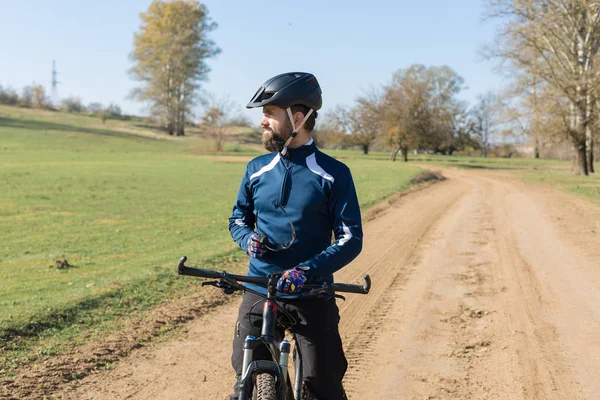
column 39, row 97
column 170, row 52
column 113, row 111
column 458, row 135
column 449, row 126
column 420, row 110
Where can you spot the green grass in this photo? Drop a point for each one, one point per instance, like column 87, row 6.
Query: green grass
column 121, row 209
column 563, row 179
column 375, row 180
column 491, row 163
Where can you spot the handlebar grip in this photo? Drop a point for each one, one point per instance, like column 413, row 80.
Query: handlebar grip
column 210, row 274
column 364, row 289
column 199, row 272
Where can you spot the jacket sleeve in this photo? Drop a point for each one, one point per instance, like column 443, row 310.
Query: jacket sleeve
column 347, row 229
column 242, row 220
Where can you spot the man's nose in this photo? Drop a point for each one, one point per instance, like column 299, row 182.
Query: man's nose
column 264, row 122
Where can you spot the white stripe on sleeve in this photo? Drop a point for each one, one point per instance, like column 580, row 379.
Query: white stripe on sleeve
column 311, row 163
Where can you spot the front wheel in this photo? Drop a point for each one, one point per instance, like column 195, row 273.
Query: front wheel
column 265, row 387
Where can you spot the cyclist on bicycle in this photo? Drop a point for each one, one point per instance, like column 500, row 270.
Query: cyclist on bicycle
column 289, row 203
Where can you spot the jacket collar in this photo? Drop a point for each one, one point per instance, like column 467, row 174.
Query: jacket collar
column 302, row 152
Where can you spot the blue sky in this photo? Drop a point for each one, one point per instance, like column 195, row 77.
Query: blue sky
column 349, row 45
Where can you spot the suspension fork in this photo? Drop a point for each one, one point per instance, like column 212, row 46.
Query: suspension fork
column 267, row 332
column 267, row 338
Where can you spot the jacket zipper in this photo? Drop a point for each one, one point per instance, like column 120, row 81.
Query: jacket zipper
column 284, row 183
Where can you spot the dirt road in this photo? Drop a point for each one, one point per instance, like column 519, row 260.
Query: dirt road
column 485, row 287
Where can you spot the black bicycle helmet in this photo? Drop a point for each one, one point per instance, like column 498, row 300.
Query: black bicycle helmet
column 289, row 89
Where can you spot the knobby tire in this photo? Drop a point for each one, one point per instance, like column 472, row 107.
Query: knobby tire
column 265, row 387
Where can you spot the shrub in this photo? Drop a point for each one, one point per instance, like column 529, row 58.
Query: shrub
column 72, row 104
column 8, row 96
column 427, row 176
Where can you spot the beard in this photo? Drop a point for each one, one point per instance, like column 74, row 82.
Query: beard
column 275, row 140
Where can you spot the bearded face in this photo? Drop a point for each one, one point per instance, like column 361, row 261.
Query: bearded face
column 274, row 138
column 277, row 128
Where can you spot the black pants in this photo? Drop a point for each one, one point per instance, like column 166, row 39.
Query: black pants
column 317, row 337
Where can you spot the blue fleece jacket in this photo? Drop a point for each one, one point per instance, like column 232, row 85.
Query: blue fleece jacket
column 319, row 196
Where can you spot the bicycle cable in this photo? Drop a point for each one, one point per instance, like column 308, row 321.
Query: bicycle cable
column 291, row 319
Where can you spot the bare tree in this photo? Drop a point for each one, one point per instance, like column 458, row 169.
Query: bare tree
column 217, row 116
column 329, row 133
column 362, row 123
column 537, row 111
column 564, row 36
column 485, row 113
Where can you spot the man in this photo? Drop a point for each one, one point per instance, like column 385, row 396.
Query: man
column 289, row 203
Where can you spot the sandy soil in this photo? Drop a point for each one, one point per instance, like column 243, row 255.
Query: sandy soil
column 484, row 287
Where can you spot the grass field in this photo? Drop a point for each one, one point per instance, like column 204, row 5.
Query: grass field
column 122, row 209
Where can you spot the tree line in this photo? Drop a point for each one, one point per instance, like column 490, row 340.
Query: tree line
column 417, row 110
column 35, row 96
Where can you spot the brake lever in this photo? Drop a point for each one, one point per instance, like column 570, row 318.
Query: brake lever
column 225, row 286
column 320, row 290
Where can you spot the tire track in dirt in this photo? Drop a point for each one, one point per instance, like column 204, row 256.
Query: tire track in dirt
column 390, row 262
column 481, row 318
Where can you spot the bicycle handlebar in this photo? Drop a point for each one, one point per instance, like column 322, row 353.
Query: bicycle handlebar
column 263, row 281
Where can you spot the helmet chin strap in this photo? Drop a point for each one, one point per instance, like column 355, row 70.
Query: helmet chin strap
column 295, row 129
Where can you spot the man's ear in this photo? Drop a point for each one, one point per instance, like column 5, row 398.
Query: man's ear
column 298, row 117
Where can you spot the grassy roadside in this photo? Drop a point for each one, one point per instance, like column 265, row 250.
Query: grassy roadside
column 121, row 209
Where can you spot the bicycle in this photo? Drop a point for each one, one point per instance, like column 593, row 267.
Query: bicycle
column 269, row 379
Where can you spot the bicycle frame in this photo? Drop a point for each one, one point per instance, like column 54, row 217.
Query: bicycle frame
column 279, row 368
